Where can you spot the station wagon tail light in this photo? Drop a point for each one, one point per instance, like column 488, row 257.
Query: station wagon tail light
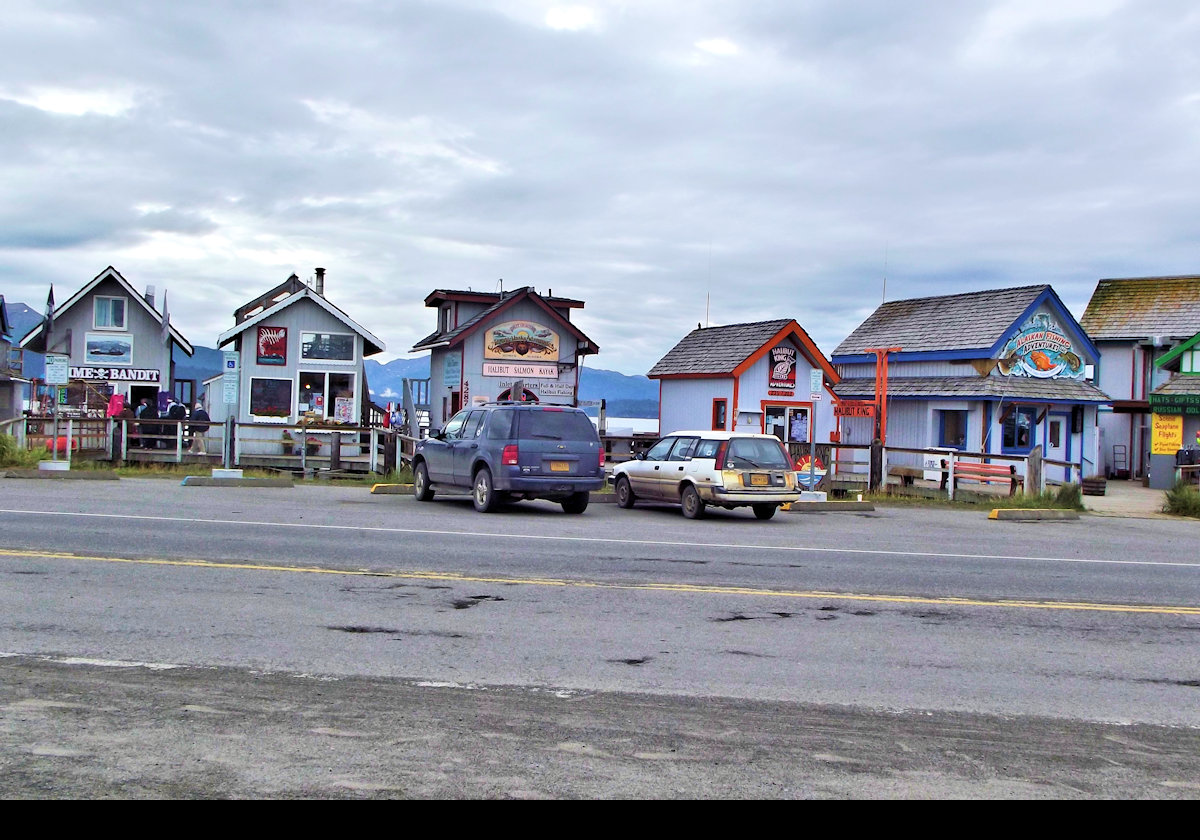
column 509, row 456
column 601, row 457
column 722, row 450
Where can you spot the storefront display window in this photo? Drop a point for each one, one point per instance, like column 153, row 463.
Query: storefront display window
column 1019, row 429
column 327, row 396
column 327, row 347
column 788, row 423
column 270, row 397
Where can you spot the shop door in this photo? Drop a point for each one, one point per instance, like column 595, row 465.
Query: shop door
column 1058, row 442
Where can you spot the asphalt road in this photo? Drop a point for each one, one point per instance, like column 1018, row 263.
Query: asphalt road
column 906, row 652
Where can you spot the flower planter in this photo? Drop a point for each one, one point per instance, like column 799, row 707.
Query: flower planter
column 1094, row 486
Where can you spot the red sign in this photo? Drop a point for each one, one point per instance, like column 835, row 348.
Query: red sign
column 272, row 345
column 854, row 409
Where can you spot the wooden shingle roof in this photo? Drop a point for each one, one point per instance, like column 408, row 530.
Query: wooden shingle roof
column 1143, row 307
column 971, row 321
column 716, row 351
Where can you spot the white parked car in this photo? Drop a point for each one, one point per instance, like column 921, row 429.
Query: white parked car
column 696, row 469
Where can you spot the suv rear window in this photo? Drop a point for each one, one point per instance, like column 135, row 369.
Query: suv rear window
column 556, row 425
column 757, row 452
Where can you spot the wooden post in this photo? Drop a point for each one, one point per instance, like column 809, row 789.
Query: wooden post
column 389, row 453
column 875, row 474
column 335, row 451
column 1035, row 472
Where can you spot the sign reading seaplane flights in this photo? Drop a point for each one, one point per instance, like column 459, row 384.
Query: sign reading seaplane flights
column 521, row 341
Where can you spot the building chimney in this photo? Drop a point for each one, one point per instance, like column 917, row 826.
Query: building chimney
column 150, row 296
column 321, row 281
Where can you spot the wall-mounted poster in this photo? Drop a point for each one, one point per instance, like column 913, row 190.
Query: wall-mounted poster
column 272, row 345
column 270, row 397
column 343, row 409
column 108, row 349
column 782, row 376
column 521, row 340
column 1042, row 349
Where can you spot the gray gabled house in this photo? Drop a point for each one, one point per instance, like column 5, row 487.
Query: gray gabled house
column 999, row 371
column 1135, row 321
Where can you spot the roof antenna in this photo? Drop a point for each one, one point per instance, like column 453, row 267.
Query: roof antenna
column 885, row 260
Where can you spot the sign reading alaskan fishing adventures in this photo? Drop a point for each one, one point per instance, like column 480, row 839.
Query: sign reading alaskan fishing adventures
column 516, row 340
column 782, row 380
column 1040, row 349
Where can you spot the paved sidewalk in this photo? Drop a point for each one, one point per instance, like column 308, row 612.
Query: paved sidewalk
column 1128, row 498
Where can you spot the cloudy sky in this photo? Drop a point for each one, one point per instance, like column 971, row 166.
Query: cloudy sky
column 669, row 163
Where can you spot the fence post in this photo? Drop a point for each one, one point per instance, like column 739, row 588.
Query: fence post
column 179, row 442
column 335, row 451
column 950, row 477
column 1035, row 473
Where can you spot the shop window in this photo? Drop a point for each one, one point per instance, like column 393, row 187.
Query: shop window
column 953, row 429
column 326, row 396
column 327, row 347
column 720, row 414
column 1019, row 429
column 270, row 397
column 788, row 423
column 798, row 425
column 109, row 313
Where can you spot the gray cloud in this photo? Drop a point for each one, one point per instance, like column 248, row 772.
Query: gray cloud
column 668, row 163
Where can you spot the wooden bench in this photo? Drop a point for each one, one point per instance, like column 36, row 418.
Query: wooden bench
column 907, row 475
column 985, row 474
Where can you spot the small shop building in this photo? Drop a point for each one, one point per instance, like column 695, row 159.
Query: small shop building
column 1135, row 322
column 517, row 345
column 117, row 342
column 994, row 372
column 300, row 362
column 12, row 381
column 1175, row 416
column 766, row 376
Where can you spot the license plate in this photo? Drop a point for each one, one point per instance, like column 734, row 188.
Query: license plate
column 560, row 466
column 759, row 480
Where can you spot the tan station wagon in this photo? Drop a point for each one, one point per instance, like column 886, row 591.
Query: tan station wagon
column 724, row 469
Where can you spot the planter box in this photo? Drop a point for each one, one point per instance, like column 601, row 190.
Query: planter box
column 1094, row 486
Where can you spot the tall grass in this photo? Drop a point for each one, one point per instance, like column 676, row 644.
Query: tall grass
column 1183, row 500
column 12, row 455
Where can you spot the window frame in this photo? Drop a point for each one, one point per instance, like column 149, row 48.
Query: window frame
column 720, row 408
column 123, row 326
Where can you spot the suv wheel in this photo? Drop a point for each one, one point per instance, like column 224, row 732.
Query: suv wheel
column 483, row 494
column 421, row 483
column 693, row 505
column 575, row 503
column 764, row 510
column 624, row 493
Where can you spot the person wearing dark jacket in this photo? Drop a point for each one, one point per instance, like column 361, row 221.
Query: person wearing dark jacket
column 177, row 412
column 198, row 428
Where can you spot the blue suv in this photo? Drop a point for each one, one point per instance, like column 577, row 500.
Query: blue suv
column 507, row 451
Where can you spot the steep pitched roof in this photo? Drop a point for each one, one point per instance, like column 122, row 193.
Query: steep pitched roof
column 371, row 344
column 970, row 321
column 1143, row 307
column 34, row 340
column 504, row 301
column 728, row 350
column 975, row 387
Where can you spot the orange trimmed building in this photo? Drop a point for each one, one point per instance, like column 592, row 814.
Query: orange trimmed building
column 766, row 376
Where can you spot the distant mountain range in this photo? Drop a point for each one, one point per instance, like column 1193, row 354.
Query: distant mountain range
column 624, row 396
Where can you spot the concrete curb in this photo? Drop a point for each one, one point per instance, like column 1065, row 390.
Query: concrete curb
column 1032, row 514
column 406, row 489
column 64, row 475
column 828, row 507
column 205, row 481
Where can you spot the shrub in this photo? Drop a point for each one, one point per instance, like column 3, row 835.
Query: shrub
column 1182, row 500
column 12, row 455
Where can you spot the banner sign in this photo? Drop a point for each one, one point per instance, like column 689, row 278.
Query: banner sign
column 1041, row 349
column 452, row 370
column 1175, row 403
column 117, row 374
column 854, row 409
column 521, row 371
column 1166, row 434
column 519, row 340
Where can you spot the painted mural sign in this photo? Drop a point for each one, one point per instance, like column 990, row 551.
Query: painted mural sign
column 782, row 380
column 520, row 371
column 272, row 345
column 521, row 340
column 108, row 349
column 1041, row 349
column 1166, row 434
column 116, row 374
